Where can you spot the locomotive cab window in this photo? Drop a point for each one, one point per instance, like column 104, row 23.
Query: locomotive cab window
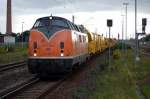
column 49, row 26
column 50, row 23
column 59, row 23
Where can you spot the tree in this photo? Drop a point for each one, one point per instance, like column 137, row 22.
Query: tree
column 147, row 38
column 25, row 35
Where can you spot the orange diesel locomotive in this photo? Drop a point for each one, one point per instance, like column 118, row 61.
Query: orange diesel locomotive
column 55, row 46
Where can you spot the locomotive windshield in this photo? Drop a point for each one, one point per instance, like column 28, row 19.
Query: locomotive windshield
column 50, row 23
column 41, row 23
column 50, row 26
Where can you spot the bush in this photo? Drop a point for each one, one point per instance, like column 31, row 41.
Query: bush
column 2, row 50
column 116, row 54
column 9, row 49
column 6, row 49
column 120, row 45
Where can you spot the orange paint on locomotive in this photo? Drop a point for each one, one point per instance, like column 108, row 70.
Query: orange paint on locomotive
column 51, row 47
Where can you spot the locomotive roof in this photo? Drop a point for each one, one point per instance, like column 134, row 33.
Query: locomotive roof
column 53, row 17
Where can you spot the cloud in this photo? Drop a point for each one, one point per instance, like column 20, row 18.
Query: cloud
column 72, row 6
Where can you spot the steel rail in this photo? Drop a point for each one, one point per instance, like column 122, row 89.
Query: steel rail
column 13, row 65
column 12, row 91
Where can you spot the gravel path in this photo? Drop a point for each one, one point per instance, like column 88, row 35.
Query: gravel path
column 67, row 89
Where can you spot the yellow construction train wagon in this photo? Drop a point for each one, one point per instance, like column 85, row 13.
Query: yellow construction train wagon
column 96, row 43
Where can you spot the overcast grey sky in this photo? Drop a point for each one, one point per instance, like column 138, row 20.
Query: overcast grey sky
column 32, row 8
column 21, row 6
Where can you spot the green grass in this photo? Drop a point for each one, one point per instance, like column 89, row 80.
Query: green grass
column 146, row 90
column 118, row 80
column 115, row 83
column 10, row 54
column 143, row 75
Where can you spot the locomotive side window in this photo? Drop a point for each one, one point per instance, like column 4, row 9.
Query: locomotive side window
column 76, row 28
column 84, row 38
column 81, row 29
column 80, row 38
column 36, row 24
column 71, row 25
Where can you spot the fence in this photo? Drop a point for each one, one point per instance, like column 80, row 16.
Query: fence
column 17, row 44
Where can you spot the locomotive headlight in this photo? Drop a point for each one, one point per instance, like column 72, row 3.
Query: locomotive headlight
column 50, row 17
column 35, row 54
column 62, row 54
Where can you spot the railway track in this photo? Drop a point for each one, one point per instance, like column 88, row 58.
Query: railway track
column 145, row 50
column 13, row 65
column 33, row 89
column 147, row 47
column 5, row 94
column 144, row 53
column 30, row 89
